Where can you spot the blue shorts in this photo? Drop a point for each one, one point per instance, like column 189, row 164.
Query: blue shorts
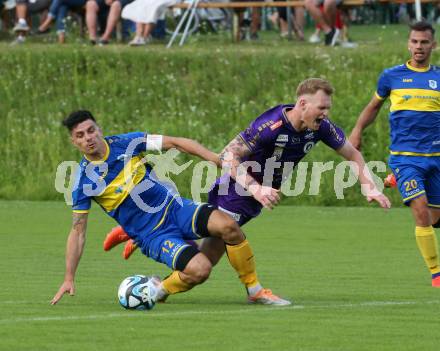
column 178, row 224
column 417, row 176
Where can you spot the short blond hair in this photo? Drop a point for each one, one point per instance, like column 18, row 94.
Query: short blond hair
column 312, row 85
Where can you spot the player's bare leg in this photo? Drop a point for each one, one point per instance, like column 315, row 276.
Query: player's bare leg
column 425, row 236
column 241, row 258
column 196, row 272
column 213, row 248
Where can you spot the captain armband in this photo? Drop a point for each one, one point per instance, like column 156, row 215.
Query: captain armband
column 154, row 142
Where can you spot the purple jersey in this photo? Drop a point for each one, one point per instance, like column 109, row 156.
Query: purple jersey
column 272, row 136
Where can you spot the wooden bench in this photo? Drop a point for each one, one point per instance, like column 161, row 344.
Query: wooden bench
column 243, row 4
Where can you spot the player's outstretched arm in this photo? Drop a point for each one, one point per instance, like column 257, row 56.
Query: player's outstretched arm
column 231, row 158
column 74, row 250
column 191, row 147
column 369, row 188
column 367, row 116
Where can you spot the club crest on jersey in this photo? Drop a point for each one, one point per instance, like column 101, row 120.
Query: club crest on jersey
column 432, row 84
column 282, row 138
column 309, row 136
column 277, row 153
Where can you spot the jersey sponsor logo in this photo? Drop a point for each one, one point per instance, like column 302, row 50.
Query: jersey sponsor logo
column 407, row 97
column 436, row 142
column 276, row 125
column 432, row 84
column 267, row 124
column 282, row 138
column 407, row 80
column 308, row 146
column 296, row 140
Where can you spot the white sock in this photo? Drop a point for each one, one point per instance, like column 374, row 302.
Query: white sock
column 22, row 21
column 161, row 292
column 254, row 289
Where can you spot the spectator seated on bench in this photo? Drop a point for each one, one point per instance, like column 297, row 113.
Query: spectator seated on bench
column 22, row 9
column 58, row 11
column 107, row 14
column 145, row 13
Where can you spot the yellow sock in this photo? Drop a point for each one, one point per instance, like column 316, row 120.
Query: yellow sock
column 173, row 284
column 242, row 259
column 427, row 243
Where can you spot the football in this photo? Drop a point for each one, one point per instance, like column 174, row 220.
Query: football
column 137, row 292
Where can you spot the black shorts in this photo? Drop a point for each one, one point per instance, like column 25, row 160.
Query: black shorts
column 202, row 220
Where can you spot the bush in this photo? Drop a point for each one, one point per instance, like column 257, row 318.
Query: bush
column 206, row 94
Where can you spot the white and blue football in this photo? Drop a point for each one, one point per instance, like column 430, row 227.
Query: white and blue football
column 137, row 292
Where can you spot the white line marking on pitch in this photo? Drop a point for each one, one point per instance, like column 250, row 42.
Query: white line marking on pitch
column 140, row 314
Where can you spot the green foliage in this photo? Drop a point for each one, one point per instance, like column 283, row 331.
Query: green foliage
column 201, row 91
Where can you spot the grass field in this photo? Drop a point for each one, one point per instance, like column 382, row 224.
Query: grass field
column 354, row 273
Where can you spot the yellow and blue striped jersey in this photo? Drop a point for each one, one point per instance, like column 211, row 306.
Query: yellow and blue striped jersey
column 123, row 185
column 415, row 108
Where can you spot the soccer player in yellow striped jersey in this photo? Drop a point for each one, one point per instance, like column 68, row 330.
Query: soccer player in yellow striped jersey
column 414, row 91
column 113, row 174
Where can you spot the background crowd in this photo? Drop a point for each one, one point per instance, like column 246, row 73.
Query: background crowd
column 137, row 21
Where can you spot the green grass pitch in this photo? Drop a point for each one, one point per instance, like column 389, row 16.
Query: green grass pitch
column 354, row 273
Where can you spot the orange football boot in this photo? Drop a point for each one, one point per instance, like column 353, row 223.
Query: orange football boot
column 115, row 237
column 436, row 282
column 390, row 181
column 130, row 247
column 267, row 297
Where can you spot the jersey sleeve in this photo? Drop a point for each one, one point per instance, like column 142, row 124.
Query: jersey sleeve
column 258, row 134
column 139, row 140
column 81, row 203
column 331, row 134
column 383, row 86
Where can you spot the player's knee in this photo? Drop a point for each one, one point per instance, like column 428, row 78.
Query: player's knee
column 420, row 211
column 199, row 273
column 198, row 269
column 230, row 231
column 202, row 273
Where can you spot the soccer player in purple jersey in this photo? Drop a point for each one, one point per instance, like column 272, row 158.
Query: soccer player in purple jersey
column 285, row 134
